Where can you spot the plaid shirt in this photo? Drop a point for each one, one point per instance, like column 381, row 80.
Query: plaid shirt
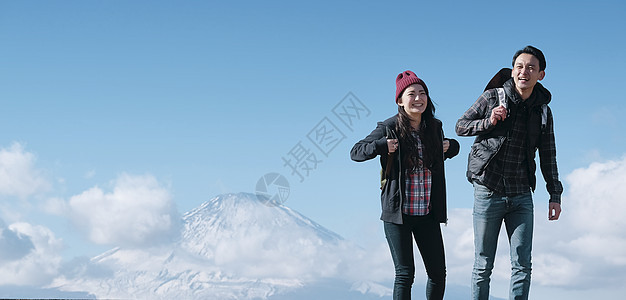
column 418, row 183
column 507, row 173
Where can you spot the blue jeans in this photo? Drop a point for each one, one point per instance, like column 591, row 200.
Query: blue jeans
column 427, row 233
column 490, row 209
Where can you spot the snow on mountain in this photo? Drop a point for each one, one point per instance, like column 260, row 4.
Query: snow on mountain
column 231, row 247
column 233, row 227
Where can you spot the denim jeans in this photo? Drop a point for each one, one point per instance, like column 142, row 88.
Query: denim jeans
column 490, row 209
column 427, row 233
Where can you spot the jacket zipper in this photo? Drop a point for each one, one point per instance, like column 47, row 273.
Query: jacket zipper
column 399, row 174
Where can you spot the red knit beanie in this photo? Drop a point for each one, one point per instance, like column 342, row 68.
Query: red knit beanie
column 405, row 79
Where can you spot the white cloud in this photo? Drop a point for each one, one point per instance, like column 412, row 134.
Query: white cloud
column 554, row 269
column 459, row 245
column 55, row 206
column 18, row 176
column 34, row 258
column 593, row 233
column 13, row 245
column 239, row 244
column 138, row 212
column 597, row 194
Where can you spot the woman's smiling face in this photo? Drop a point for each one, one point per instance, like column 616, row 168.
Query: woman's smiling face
column 414, row 100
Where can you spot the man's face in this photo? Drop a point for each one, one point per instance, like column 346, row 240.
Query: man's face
column 526, row 72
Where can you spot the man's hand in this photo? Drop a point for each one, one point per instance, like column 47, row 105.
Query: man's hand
column 554, row 211
column 498, row 114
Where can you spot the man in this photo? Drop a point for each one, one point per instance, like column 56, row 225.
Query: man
column 501, row 166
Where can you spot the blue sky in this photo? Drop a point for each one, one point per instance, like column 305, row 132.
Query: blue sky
column 192, row 99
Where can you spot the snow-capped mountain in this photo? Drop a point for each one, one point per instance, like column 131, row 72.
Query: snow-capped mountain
column 232, row 247
column 237, row 218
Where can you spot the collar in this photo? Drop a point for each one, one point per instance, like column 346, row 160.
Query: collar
column 539, row 96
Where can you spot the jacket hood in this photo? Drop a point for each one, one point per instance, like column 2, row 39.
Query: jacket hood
column 543, row 96
column 543, row 93
column 391, row 121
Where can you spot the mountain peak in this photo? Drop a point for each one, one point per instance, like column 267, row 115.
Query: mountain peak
column 242, row 217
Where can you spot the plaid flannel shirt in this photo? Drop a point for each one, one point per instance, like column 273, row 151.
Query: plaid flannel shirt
column 418, row 185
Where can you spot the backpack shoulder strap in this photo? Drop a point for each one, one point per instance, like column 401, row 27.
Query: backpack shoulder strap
column 501, row 97
column 544, row 115
column 390, row 135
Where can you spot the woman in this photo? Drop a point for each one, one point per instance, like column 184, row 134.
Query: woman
column 412, row 149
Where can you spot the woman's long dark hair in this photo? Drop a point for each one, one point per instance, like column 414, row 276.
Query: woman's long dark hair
column 427, row 133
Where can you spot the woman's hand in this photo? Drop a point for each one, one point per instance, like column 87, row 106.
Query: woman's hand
column 446, row 146
column 392, row 145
